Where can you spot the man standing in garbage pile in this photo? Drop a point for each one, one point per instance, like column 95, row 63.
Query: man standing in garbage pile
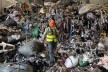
column 50, row 36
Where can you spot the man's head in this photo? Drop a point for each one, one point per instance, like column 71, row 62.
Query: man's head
column 51, row 23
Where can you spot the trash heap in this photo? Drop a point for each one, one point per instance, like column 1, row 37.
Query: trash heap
column 82, row 38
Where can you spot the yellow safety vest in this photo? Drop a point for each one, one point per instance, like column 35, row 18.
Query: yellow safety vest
column 51, row 35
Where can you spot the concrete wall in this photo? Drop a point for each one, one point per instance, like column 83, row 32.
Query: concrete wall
column 101, row 2
column 3, row 4
column 6, row 3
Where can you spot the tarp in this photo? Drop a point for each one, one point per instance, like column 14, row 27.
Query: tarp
column 88, row 7
column 31, row 48
column 12, row 67
column 10, row 22
column 35, row 30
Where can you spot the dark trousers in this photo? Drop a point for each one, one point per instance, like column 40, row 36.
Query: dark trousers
column 51, row 48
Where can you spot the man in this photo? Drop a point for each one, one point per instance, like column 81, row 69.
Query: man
column 50, row 36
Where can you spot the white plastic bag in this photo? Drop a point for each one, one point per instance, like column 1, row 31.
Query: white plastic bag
column 71, row 62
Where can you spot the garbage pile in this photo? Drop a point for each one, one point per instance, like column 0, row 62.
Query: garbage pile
column 19, row 51
column 82, row 31
column 82, row 38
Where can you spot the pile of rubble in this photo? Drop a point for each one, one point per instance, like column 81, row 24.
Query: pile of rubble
column 82, row 40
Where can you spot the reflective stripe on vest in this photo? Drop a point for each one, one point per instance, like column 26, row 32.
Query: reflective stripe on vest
column 50, row 37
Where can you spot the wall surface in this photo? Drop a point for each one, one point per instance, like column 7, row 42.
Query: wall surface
column 22, row 1
column 101, row 2
column 4, row 3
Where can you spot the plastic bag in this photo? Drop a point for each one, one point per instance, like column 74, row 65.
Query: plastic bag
column 83, row 62
column 71, row 62
column 35, row 31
